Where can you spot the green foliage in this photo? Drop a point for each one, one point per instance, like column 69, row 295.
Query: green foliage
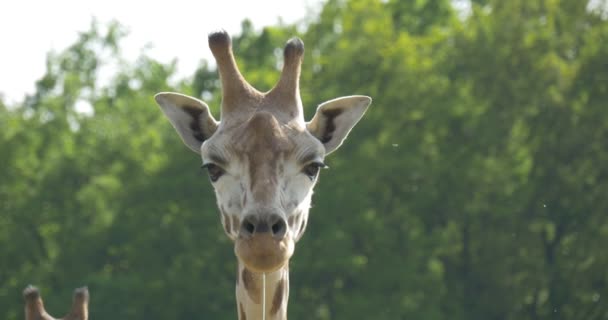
column 474, row 188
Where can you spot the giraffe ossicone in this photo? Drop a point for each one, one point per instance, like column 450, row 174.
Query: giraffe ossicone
column 263, row 161
column 34, row 306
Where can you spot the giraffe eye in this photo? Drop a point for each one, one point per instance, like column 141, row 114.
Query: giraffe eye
column 214, row 171
column 312, row 169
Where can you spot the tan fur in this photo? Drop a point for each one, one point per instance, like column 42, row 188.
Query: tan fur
column 34, row 306
column 235, row 90
column 263, row 253
column 251, row 286
column 285, row 96
column 266, row 143
column 237, row 93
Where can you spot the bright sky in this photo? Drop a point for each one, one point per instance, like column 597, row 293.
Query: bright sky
column 31, row 28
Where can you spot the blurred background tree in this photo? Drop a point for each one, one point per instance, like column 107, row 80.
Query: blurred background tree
column 474, row 188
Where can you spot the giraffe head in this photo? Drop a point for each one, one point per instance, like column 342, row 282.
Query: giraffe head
column 263, row 159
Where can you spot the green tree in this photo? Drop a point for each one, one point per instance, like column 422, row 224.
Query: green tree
column 474, row 188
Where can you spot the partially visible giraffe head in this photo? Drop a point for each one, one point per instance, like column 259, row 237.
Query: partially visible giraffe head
column 34, row 307
column 263, row 159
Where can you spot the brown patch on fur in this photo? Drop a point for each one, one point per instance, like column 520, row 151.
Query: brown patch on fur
column 251, row 285
column 330, row 126
column 242, row 312
column 265, row 142
column 277, row 299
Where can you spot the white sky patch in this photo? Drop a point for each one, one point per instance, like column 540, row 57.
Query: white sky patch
column 84, row 107
column 29, row 29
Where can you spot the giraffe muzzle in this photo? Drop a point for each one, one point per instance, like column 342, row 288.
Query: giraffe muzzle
column 264, row 244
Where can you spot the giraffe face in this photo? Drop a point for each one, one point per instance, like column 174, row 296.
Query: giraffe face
column 263, row 172
column 263, row 165
column 263, row 158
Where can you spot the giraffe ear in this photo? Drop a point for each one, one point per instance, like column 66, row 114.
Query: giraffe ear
column 189, row 116
column 335, row 118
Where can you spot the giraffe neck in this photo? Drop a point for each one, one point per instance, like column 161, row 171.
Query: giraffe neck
column 249, row 294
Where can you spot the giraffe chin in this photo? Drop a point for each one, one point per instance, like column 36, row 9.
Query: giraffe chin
column 263, row 253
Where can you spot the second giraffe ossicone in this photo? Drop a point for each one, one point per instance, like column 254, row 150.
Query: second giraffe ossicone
column 263, row 160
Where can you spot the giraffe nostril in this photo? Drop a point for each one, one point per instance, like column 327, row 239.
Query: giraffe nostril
column 276, row 227
column 247, row 227
column 279, row 228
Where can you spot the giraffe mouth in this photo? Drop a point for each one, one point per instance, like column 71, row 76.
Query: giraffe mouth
column 264, row 253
